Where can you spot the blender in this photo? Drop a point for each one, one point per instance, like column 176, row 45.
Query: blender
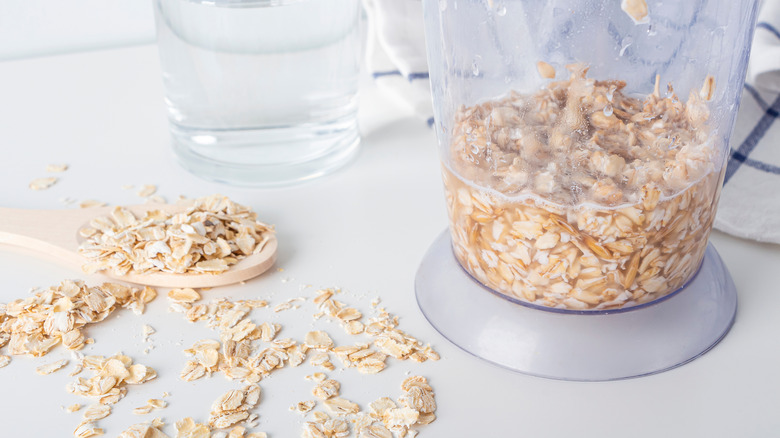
column 582, row 149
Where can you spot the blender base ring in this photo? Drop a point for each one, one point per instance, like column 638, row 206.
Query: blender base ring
column 584, row 347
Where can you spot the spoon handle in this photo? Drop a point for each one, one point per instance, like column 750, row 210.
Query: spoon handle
column 51, row 232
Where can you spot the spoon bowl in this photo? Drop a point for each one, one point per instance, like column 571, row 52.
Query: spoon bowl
column 55, row 233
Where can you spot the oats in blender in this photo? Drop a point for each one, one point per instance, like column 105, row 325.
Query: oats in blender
column 636, row 9
column 581, row 197
column 545, row 70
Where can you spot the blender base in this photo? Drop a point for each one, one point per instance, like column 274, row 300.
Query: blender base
column 604, row 345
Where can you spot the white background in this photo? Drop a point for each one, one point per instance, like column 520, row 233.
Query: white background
column 364, row 229
column 41, row 27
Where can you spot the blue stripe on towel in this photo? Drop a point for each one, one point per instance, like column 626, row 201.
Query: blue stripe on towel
column 741, row 155
column 411, row 77
column 421, row 75
column 379, row 74
column 760, row 165
column 769, row 27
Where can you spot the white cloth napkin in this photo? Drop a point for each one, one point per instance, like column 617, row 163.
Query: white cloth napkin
column 395, row 52
column 750, row 200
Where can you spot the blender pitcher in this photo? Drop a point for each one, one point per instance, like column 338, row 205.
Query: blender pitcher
column 582, row 147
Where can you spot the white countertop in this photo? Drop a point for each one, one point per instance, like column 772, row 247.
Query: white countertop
column 364, row 229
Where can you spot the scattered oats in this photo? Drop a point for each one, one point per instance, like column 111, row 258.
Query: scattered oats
column 51, row 367
column 72, row 408
column 145, row 430
column 255, row 304
column 90, row 203
column 151, row 404
column 321, row 359
column 56, row 168
column 111, row 377
column 317, row 377
column 384, row 418
column 288, row 304
column 375, row 302
column 340, row 407
column 127, row 187
column 305, row 406
column 354, row 327
column 349, row 314
column 87, row 430
column 147, row 331
column 58, row 314
column 43, row 183
column 143, row 410
column 268, row 331
column 418, row 395
column 331, row 428
column 192, row 371
column 96, row 412
column 157, row 403
column 210, row 236
column 186, row 295
column 188, row 428
column 375, row 431
column 370, row 365
column 326, row 389
column 233, row 406
column 318, row 340
column 4, row 360
column 156, row 199
column 147, row 190
column 320, row 417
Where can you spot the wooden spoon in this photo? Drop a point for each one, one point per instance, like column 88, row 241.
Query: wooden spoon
column 55, row 233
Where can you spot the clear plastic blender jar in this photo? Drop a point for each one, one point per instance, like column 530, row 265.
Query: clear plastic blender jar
column 583, row 144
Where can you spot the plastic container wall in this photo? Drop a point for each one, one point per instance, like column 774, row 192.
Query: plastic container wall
column 583, row 142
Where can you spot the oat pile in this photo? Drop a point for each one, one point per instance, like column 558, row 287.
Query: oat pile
column 581, row 197
column 186, row 428
column 250, row 351
column 108, row 385
column 208, row 237
column 246, row 351
column 59, row 314
column 384, row 417
column 237, row 356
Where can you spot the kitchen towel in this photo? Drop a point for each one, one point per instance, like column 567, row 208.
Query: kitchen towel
column 750, row 201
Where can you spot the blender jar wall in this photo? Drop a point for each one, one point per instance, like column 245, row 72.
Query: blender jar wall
column 576, row 192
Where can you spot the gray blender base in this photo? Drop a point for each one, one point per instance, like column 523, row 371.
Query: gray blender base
column 593, row 346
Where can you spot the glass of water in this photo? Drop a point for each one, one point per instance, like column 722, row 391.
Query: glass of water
column 261, row 92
